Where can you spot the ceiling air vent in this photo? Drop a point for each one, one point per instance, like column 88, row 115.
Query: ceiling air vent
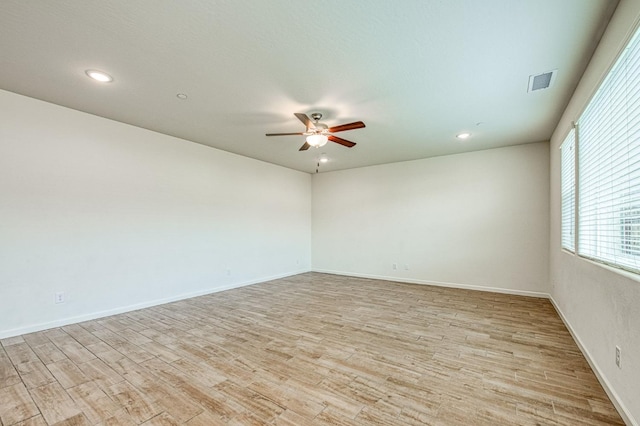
column 542, row 81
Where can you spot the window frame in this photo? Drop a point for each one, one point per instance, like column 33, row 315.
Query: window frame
column 568, row 189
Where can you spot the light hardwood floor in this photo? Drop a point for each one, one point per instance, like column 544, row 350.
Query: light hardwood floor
column 311, row 349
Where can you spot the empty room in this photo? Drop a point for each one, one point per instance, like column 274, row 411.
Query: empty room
column 418, row 212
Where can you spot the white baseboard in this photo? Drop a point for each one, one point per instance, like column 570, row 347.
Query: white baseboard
column 122, row 309
column 439, row 284
column 613, row 396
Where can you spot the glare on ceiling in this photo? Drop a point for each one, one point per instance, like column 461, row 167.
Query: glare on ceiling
column 464, row 135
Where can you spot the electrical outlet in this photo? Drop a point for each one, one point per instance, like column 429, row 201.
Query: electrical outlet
column 406, row 267
column 60, row 297
column 395, row 266
column 618, row 355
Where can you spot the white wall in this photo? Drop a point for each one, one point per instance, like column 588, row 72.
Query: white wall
column 600, row 306
column 476, row 219
column 119, row 217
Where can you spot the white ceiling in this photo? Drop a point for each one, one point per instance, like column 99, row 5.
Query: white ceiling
column 417, row 72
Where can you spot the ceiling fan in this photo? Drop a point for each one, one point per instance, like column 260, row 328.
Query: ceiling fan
column 319, row 133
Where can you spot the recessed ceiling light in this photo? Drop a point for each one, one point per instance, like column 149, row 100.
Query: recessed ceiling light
column 464, row 135
column 100, row 76
column 181, row 96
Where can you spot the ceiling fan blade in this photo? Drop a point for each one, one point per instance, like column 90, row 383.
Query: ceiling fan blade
column 304, row 147
column 283, row 134
column 341, row 141
column 305, row 120
column 350, row 126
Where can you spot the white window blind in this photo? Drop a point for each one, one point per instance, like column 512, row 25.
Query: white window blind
column 609, row 167
column 568, row 190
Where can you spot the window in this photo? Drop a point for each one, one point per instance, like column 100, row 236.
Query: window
column 609, row 167
column 568, row 185
column 630, row 230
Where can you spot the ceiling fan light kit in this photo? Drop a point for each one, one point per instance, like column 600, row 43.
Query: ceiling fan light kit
column 318, row 134
column 317, row 140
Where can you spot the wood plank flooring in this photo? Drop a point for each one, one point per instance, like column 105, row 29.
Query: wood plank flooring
column 313, row 349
